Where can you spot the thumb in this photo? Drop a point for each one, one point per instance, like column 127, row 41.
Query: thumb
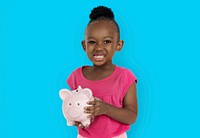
column 97, row 98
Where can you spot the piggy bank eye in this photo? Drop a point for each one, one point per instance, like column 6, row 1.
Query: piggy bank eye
column 70, row 104
column 78, row 104
column 76, row 90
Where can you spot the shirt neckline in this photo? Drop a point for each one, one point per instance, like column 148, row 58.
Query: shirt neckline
column 95, row 81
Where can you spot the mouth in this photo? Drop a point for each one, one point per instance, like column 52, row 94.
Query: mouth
column 98, row 57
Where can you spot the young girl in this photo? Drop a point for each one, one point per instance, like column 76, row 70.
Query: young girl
column 114, row 87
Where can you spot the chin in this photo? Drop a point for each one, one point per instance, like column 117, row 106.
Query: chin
column 98, row 64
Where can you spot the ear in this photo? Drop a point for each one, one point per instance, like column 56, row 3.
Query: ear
column 64, row 93
column 120, row 45
column 87, row 92
column 83, row 45
column 79, row 87
column 77, row 90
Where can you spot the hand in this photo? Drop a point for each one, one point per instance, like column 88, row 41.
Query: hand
column 97, row 107
column 78, row 124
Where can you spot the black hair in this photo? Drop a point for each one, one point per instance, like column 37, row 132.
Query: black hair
column 102, row 13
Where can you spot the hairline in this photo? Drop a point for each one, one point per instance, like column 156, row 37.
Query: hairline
column 106, row 20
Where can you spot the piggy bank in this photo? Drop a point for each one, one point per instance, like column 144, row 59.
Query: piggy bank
column 73, row 105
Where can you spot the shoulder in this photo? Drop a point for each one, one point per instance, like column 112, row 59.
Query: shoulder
column 123, row 70
column 77, row 70
column 126, row 73
column 74, row 77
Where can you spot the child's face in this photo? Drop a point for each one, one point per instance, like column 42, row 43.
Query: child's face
column 101, row 42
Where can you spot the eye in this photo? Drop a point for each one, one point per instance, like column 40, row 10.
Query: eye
column 92, row 42
column 107, row 41
column 78, row 104
column 70, row 104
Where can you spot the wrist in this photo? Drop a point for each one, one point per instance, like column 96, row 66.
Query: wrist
column 109, row 109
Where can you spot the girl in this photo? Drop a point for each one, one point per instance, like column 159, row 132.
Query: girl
column 114, row 87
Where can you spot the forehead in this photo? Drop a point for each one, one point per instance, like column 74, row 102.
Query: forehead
column 101, row 29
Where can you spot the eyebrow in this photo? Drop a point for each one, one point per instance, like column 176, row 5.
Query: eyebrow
column 90, row 37
column 108, row 36
column 103, row 37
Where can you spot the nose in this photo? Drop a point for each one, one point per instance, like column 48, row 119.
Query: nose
column 74, row 112
column 99, row 46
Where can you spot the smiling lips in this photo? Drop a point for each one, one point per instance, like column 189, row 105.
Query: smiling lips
column 98, row 57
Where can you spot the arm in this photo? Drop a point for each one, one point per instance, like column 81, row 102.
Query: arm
column 127, row 114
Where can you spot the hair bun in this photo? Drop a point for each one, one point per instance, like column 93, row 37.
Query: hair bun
column 101, row 11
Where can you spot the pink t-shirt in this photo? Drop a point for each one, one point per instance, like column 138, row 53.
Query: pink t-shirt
column 112, row 90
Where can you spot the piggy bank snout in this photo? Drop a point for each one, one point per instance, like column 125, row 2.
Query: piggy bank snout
column 74, row 112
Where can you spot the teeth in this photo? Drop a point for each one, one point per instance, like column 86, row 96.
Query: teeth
column 99, row 57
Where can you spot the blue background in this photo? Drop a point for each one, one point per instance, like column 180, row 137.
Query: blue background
column 40, row 46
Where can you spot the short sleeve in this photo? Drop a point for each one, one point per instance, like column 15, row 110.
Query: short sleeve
column 129, row 79
column 71, row 81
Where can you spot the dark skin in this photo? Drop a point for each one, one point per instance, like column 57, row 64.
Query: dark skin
column 100, row 44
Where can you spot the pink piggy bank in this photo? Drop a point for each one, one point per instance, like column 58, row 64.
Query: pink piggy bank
column 74, row 103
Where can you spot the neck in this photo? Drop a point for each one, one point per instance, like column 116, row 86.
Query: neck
column 108, row 66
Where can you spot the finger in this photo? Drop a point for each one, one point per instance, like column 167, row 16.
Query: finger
column 91, row 102
column 95, row 98
column 80, row 125
column 89, row 111
column 91, row 116
column 75, row 123
column 89, row 108
column 92, row 119
column 96, row 111
column 86, row 126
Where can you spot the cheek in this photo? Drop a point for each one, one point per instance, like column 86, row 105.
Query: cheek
column 89, row 48
column 89, row 51
column 110, row 48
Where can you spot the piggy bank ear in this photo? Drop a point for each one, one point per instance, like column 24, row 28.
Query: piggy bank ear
column 87, row 92
column 64, row 93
